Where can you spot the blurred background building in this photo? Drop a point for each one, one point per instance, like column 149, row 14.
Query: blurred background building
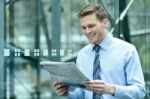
column 35, row 30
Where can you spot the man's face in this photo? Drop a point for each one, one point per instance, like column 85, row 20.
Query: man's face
column 93, row 28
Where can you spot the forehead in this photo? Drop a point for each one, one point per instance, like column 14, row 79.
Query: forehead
column 88, row 19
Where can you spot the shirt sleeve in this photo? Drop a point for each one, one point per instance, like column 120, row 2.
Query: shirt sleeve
column 78, row 93
column 135, row 88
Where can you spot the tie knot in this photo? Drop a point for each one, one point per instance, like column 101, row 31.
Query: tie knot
column 96, row 48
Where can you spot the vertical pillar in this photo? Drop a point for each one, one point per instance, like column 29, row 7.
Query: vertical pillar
column 116, row 9
column 116, row 16
column 2, row 31
column 56, row 28
column 124, row 24
column 37, row 46
column 11, row 65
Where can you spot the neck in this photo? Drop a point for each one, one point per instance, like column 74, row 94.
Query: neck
column 102, row 37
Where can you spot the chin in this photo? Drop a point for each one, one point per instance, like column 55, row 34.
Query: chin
column 92, row 42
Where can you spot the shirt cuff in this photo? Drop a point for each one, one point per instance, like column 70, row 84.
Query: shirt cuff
column 118, row 90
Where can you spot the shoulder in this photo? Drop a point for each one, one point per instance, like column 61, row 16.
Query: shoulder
column 122, row 44
column 124, row 49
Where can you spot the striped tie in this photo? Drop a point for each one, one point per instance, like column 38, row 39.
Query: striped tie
column 96, row 69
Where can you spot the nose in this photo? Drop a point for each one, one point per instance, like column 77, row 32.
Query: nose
column 87, row 31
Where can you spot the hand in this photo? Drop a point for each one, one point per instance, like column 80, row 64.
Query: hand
column 100, row 86
column 61, row 89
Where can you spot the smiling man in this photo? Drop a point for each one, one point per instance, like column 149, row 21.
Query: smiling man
column 112, row 64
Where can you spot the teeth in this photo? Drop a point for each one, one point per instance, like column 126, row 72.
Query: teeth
column 91, row 35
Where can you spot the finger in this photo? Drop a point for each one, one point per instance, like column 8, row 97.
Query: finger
column 95, row 82
column 97, row 90
column 59, row 86
column 96, row 85
column 62, row 91
column 55, row 83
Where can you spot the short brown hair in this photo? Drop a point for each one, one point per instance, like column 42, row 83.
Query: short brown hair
column 93, row 9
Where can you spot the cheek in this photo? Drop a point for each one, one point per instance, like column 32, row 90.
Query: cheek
column 84, row 32
column 99, row 34
column 100, row 31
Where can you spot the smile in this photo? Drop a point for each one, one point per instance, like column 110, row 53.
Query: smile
column 91, row 35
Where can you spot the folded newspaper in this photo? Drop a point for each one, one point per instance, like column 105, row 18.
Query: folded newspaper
column 65, row 72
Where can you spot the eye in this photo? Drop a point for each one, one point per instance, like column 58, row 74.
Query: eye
column 91, row 25
column 83, row 27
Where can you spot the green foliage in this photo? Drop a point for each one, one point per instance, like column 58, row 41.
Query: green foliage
column 143, row 47
column 145, row 60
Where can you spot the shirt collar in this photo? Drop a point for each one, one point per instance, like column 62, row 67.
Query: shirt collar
column 104, row 44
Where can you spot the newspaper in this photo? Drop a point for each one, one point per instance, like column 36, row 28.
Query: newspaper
column 65, row 72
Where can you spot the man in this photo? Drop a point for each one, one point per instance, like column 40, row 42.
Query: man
column 112, row 65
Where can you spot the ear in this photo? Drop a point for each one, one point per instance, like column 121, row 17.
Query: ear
column 105, row 23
